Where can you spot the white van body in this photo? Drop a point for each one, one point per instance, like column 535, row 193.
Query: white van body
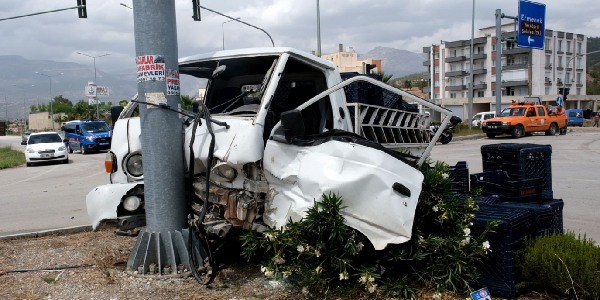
column 482, row 116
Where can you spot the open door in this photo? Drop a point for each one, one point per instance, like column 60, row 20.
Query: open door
column 380, row 189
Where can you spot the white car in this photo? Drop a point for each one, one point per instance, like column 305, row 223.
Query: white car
column 46, row 147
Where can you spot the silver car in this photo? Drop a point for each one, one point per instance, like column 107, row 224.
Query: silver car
column 24, row 137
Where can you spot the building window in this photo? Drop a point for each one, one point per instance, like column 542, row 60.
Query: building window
column 452, row 95
column 436, row 55
column 579, row 48
column 480, row 94
column 547, row 90
column 547, row 44
column 578, row 77
column 568, row 46
column 579, row 64
column 578, row 91
column 560, row 45
column 436, row 83
column 548, row 60
column 436, row 69
column 559, row 59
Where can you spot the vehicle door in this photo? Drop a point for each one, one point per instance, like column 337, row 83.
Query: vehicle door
column 531, row 120
column 541, row 115
column 379, row 187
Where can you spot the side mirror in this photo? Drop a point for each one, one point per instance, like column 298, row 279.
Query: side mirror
column 293, row 124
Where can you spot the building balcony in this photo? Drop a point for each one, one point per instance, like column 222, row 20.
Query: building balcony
column 480, row 56
column 479, row 71
column 455, row 59
column 456, row 73
column 579, row 85
column 514, row 67
column 480, row 86
column 456, row 87
column 513, row 83
column 515, row 50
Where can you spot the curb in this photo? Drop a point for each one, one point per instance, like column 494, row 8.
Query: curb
column 36, row 234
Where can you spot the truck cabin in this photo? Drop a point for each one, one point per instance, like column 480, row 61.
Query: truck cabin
column 240, row 87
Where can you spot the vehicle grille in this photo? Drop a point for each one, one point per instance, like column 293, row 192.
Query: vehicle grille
column 46, row 151
column 103, row 140
column 493, row 123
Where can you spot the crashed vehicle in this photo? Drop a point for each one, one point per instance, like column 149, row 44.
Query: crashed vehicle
column 285, row 133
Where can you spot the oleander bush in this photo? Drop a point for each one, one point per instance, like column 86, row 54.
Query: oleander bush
column 326, row 257
column 565, row 264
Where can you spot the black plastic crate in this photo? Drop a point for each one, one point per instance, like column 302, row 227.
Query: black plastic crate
column 459, row 177
column 498, row 268
column 521, row 161
column 510, row 189
column 546, row 218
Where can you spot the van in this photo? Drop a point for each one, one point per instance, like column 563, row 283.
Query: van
column 575, row 117
column 482, row 116
column 87, row 135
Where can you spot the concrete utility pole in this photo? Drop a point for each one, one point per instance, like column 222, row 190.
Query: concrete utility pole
column 162, row 242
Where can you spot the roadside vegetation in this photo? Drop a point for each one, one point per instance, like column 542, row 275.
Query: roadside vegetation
column 10, row 158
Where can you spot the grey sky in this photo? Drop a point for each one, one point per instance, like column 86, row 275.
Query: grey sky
column 361, row 24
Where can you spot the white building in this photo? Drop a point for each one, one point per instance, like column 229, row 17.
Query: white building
column 525, row 72
column 347, row 61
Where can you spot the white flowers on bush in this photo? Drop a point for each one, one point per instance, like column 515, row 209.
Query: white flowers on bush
column 360, row 246
column 445, row 175
column 270, row 236
column 319, row 269
column 278, row 260
column 486, row 246
column 467, row 231
column 344, row 275
column 368, row 281
column 268, row 272
column 300, row 248
column 317, row 253
column 466, row 241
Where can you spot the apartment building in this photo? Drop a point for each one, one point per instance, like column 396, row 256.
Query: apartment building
column 525, row 72
column 347, row 61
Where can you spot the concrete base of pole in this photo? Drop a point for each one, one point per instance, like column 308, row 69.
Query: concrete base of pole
column 160, row 254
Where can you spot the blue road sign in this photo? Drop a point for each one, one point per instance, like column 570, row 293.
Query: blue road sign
column 559, row 101
column 531, row 24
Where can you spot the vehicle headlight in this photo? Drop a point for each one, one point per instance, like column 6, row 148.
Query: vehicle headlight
column 90, row 138
column 506, row 123
column 62, row 148
column 131, row 203
column 133, row 165
column 225, row 171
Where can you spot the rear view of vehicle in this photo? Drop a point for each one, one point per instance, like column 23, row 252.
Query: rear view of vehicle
column 46, row 147
column 575, row 117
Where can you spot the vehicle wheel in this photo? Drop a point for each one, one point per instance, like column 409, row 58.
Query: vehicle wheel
column 66, row 161
column 446, row 138
column 517, row 131
column 82, row 149
column 70, row 149
column 491, row 135
column 29, row 164
column 552, row 130
column 563, row 131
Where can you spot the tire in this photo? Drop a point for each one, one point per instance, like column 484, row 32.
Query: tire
column 517, row 131
column 29, row 164
column 446, row 138
column 70, row 150
column 82, row 149
column 553, row 130
column 490, row 135
column 66, row 161
column 563, row 131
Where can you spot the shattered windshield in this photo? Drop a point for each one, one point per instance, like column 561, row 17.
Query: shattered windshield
column 237, row 87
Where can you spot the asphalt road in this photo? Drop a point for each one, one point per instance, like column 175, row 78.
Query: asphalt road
column 575, row 171
column 49, row 196
column 53, row 196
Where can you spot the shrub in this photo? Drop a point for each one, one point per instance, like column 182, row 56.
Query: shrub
column 564, row 264
column 10, row 158
column 323, row 255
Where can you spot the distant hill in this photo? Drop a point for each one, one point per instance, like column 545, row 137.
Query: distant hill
column 397, row 62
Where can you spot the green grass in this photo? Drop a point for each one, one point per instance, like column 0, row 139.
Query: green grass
column 10, row 158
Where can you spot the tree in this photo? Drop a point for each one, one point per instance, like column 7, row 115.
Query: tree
column 187, row 102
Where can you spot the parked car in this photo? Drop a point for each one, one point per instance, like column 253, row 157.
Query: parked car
column 575, row 117
column 24, row 137
column 46, row 147
column 482, row 116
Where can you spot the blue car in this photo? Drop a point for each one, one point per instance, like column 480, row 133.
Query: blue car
column 575, row 117
column 87, row 135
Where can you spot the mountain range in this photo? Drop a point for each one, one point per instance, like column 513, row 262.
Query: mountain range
column 25, row 82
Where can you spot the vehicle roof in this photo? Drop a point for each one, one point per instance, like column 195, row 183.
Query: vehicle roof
column 82, row 121
column 258, row 51
column 44, row 132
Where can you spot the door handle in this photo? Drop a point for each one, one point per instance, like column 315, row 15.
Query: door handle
column 400, row 188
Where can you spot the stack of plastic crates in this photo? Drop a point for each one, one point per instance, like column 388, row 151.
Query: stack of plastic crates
column 508, row 188
column 498, row 267
column 521, row 161
column 459, row 177
column 546, row 218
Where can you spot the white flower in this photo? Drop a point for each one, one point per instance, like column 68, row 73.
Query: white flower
column 372, row 288
column 360, row 246
column 486, row 246
column 435, row 208
column 466, row 241
column 305, row 291
column 263, row 269
column 268, row 273
column 445, row 175
column 467, row 231
column 317, row 253
column 344, row 275
column 278, row 260
column 319, row 269
column 363, row 279
column 286, row 274
column 300, row 248
column 371, row 279
column 269, row 236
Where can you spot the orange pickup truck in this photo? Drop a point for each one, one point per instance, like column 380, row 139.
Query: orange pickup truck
column 520, row 119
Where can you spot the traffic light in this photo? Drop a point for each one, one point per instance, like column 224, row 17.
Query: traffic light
column 196, row 7
column 81, row 9
column 369, row 67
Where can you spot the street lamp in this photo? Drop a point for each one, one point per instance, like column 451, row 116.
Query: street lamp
column 125, row 5
column 95, row 82
column 223, row 29
column 50, row 78
column 564, row 90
